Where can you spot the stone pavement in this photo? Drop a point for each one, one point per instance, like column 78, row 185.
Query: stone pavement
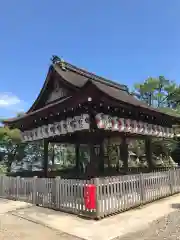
column 8, row 205
column 120, row 225
column 155, row 220
column 16, row 228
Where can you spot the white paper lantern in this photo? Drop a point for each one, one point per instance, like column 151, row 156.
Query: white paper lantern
column 171, row 132
column 77, row 123
column 42, row 135
column 134, row 126
column 50, row 130
column 26, row 138
column 158, row 130
column 64, row 127
column 70, row 125
column 39, row 133
column 163, row 132
column 85, row 121
column 35, row 134
column 121, row 124
column 99, row 120
column 31, row 135
column 45, row 131
column 115, row 124
column 149, row 129
column 140, row 127
column 127, row 123
column 145, row 126
column 57, row 128
column 154, row 128
column 30, row 138
column 107, row 122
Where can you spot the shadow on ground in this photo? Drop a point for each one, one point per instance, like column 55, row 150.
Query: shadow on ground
column 175, row 205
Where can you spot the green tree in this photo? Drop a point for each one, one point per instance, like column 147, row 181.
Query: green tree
column 158, row 92
column 10, row 146
column 163, row 94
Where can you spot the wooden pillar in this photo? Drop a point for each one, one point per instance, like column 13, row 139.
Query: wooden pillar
column 45, row 165
column 148, row 151
column 124, row 154
column 91, row 168
column 101, row 157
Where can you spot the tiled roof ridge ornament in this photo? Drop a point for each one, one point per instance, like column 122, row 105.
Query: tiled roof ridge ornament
column 56, row 60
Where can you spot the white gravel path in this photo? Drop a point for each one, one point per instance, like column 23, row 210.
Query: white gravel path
column 166, row 228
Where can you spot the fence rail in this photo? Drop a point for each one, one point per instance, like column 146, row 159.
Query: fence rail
column 110, row 195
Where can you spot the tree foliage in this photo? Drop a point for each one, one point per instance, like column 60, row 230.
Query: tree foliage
column 11, row 148
column 164, row 94
column 158, row 92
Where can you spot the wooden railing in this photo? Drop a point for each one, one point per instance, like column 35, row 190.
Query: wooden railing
column 110, row 194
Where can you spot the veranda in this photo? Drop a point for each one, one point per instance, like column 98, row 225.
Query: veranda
column 93, row 113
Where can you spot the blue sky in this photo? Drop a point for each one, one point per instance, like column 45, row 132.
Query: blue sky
column 125, row 41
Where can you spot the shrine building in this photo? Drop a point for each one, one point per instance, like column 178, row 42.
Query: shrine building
column 77, row 107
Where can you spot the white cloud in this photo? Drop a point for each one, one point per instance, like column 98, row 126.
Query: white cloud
column 11, row 104
column 8, row 100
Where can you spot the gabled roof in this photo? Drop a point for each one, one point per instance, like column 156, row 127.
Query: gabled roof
column 76, row 78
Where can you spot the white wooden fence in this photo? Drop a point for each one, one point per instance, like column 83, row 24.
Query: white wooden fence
column 112, row 194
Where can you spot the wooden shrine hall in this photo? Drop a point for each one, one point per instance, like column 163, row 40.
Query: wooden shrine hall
column 77, row 107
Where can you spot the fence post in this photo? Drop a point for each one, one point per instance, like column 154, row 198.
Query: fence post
column 56, row 192
column 34, row 190
column 17, row 187
column 96, row 183
column 171, row 181
column 1, row 186
column 142, row 188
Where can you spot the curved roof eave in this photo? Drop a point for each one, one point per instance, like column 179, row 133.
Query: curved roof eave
column 42, row 90
column 48, row 79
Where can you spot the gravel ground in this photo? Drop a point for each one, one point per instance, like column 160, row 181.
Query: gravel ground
column 166, row 228
column 15, row 228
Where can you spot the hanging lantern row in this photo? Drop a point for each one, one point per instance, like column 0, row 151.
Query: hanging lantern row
column 108, row 122
column 63, row 127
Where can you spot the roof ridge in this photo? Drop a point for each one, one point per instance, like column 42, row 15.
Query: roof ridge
column 96, row 77
column 86, row 73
